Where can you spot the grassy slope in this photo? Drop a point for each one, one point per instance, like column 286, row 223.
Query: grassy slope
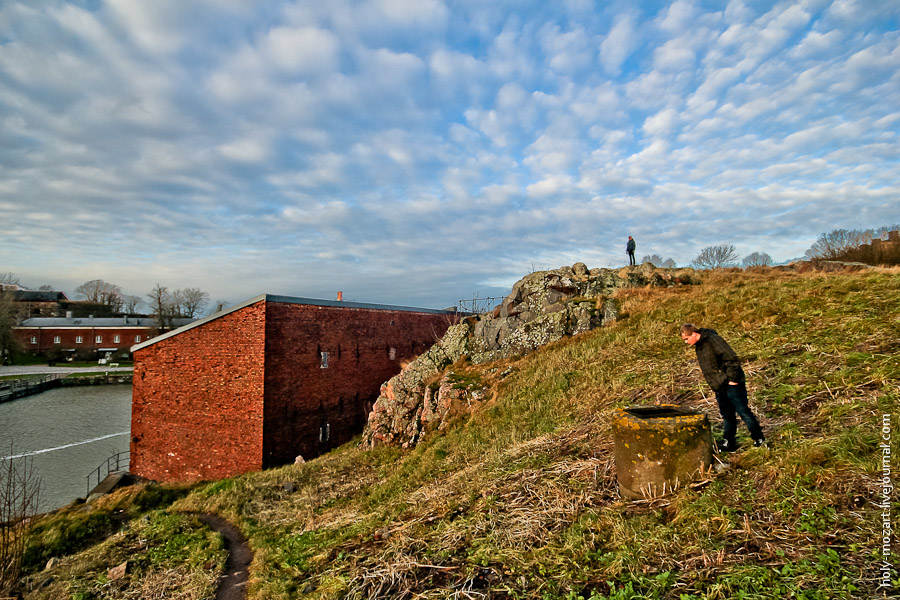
column 520, row 499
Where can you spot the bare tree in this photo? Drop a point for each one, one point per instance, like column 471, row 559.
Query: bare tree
column 19, row 498
column 880, row 233
column 715, row 257
column 101, row 292
column 9, row 316
column 757, row 259
column 192, row 301
column 219, row 305
column 162, row 306
column 130, row 303
column 833, row 244
column 9, row 279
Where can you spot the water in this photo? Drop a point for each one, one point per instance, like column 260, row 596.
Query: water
column 66, row 432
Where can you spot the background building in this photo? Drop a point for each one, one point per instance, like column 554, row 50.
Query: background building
column 85, row 338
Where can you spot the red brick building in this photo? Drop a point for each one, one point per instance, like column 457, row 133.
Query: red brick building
column 266, row 381
column 85, row 337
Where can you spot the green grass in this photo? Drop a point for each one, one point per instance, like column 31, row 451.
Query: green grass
column 519, row 499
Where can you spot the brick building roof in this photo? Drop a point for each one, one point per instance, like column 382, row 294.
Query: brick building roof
column 287, row 300
column 117, row 322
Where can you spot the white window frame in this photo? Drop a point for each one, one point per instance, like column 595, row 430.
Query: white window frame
column 34, row 339
column 79, row 339
column 116, row 340
column 56, row 339
column 323, row 359
column 98, row 339
column 137, row 339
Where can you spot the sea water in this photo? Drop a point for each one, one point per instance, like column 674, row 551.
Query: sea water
column 64, row 434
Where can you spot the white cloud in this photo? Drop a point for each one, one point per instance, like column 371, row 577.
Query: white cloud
column 397, row 149
column 413, row 12
column 300, row 50
column 618, row 45
column 661, row 123
column 245, row 150
column 566, row 50
column 674, row 55
column 154, row 26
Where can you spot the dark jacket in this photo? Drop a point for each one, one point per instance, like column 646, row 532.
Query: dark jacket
column 630, row 246
column 719, row 363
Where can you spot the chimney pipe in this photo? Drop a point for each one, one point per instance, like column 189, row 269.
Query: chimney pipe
column 68, row 314
column 340, row 296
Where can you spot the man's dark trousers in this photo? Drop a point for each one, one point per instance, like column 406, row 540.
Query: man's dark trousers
column 732, row 399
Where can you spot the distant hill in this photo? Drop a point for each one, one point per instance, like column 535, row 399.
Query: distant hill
column 518, row 498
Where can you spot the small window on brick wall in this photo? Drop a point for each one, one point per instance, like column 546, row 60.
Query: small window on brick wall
column 78, row 339
column 323, row 359
column 55, row 339
column 99, row 339
column 33, row 340
column 116, row 339
column 137, row 338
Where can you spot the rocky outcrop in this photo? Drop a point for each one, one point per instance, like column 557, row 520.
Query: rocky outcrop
column 543, row 307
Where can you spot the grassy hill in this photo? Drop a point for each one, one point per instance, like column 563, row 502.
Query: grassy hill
column 519, row 500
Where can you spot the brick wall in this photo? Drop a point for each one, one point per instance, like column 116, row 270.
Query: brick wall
column 311, row 409
column 248, row 389
column 45, row 338
column 197, row 400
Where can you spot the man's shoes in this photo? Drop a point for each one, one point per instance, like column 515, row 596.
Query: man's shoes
column 760, row 443
column 726, row 446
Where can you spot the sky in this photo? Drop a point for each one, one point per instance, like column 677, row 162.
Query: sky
column 420, row 152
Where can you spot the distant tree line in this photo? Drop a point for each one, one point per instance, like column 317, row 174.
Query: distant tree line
column 855, row 245
column 166, row 305
column 840, row 244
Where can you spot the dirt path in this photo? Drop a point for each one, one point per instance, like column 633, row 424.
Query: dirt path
column 233, row 584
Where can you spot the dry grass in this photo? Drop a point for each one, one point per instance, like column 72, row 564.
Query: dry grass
column 518, row 500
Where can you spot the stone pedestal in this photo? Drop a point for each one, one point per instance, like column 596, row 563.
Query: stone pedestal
column 659, row 448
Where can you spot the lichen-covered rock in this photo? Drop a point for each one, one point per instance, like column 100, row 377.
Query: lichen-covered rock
column 542, row 307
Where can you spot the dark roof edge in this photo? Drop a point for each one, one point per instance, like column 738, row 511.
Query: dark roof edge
column 285, row 300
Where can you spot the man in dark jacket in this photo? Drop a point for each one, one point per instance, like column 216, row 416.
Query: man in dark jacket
column 722, row 370
column 629, row 250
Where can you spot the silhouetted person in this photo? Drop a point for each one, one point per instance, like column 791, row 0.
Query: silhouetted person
column 629, row 249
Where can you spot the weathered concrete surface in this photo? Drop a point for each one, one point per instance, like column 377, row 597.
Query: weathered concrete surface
column 659, row 448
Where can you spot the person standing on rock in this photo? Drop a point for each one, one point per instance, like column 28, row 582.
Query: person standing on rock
column 629, row 249
column 722, row 370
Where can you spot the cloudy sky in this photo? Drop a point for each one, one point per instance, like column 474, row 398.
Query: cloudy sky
column 422, row 151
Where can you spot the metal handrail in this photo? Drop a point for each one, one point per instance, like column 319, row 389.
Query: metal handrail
column 16, row 388
column 117, row 460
